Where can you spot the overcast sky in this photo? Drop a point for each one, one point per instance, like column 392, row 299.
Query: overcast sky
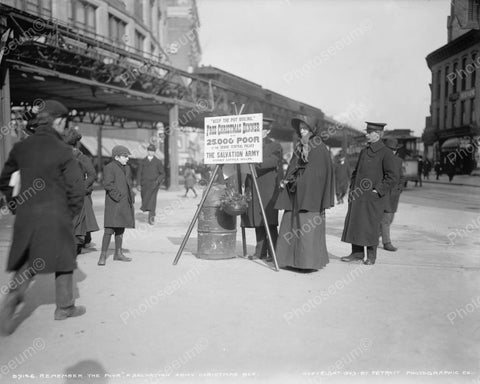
column 356, row 60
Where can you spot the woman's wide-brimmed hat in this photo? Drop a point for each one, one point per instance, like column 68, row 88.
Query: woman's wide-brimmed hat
column 307, row 120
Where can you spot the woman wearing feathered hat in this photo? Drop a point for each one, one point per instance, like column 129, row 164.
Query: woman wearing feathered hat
column 308, row 189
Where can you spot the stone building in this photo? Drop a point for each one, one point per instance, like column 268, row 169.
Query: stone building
column 452, row 131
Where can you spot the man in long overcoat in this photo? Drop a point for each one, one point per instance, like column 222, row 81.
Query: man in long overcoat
column 374, row 176
column 392, row 198
column 119, row 212
column 150, row 176
column 269, row 175
column 51, row 194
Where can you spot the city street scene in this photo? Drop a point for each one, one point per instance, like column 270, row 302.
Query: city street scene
column 239, row 191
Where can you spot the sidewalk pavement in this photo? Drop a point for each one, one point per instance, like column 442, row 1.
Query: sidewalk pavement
column 411, row 318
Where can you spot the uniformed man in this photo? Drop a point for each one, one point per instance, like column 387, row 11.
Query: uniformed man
column 374, row 176
column 150, row 177
column 268, row 183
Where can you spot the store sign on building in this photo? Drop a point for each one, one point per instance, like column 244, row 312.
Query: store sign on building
column 467, row 94
column 233, row 139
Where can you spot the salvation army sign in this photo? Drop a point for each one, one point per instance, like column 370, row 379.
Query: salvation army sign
column 233, row 139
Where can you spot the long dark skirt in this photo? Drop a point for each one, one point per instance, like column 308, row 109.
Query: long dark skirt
column 85, row 221
column 301, row 241
column 149, row 193
column 90, row 220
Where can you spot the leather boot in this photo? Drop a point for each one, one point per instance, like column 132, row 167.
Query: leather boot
column 7, row 312
column 356, row 255
column 64, row 297
column 103, row 258
column 119, row 256
column 371, row 255
column 103, row 253
column 389, row 247
column 15, row 296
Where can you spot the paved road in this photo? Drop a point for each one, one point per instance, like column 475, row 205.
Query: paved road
column 416, row 310
column 443, row 196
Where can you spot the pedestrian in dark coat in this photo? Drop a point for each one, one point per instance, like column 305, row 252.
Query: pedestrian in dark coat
column 119, row 211
column 308, row 190
column 419, row 171
column 374, row 176
column 150, row 176
column 450, row 167
column 392, row 198
column 51, row 194
column 438, row 169
column 427, row 167
column 268, row 180
column 85, row 222
column 342, row 177
column 190, row 179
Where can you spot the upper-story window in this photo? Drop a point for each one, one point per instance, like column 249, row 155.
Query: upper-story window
column 82, row 15
column 139, row 41
column 474, row 71
column 138, row 9
column 438, row 82
column 447, row 71
column 39, row 7
column 473, row 10
column 455, row 79
column 116, row 29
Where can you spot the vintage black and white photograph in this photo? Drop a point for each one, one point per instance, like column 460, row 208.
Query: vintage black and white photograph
column 239, row 191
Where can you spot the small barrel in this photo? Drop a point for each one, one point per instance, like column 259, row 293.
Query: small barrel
column 217, row 230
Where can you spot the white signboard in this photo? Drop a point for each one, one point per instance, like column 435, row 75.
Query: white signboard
column 233, row 139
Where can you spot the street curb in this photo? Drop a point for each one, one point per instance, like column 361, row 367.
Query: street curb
column 445, row 183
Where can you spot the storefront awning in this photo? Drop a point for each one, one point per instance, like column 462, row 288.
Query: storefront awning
column 138, row 149
column 455, row 143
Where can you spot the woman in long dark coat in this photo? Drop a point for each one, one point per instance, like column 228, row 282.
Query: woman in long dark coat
column 85, row 222
column 119, row 212
column 308, row 191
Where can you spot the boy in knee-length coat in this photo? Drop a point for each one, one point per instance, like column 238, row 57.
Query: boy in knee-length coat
column 119, row 212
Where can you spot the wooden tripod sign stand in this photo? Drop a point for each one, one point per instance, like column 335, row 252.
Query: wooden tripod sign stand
column 236, row 140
